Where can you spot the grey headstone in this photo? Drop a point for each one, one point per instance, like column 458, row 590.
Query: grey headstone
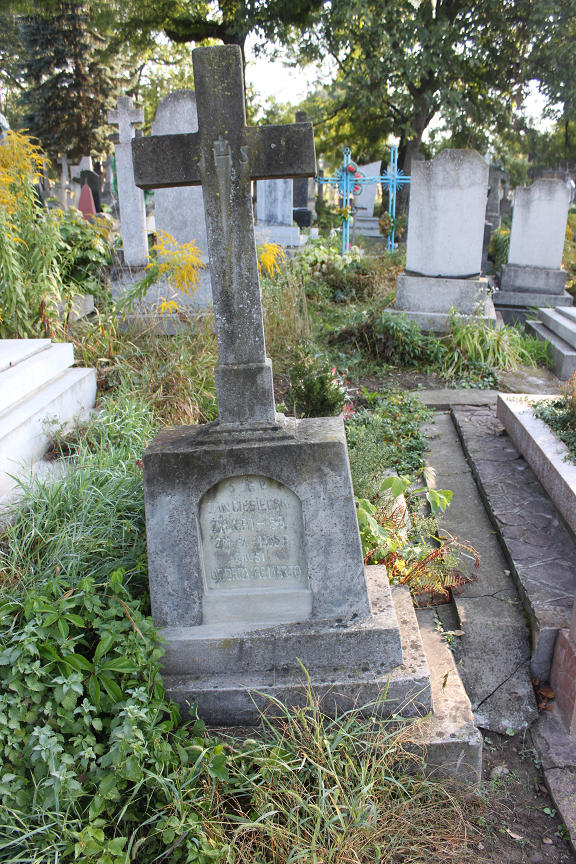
column 539, row 224
column 180, row 210
column 254, row 554
column 447, row 214
column 130, row 198
column 274, row 202
column 300, row 187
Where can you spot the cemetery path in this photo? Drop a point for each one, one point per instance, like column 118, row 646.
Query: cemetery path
column 510, row 617
column 493, row 655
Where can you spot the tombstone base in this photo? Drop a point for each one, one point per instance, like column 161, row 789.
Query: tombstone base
column 428, row 300
column 377, row 664
column 536, row 280
column 438, row 295
column 282, row 235
column 515, row 306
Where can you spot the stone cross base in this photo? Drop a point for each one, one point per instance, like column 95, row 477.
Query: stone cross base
column 427, row 300
column 377, row 664
column 282, row 235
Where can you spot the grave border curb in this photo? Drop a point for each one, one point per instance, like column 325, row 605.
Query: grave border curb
column 543, row 451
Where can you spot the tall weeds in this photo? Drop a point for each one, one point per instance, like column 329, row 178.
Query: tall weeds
column 286, row 319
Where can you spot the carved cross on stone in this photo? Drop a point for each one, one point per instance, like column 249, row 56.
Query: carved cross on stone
column 223, row 157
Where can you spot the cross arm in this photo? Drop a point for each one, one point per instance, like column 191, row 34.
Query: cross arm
column 281, row 151
column 166, row 161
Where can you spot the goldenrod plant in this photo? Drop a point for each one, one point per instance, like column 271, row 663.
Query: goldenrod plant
column 179, row 264
column 30, row 243
column 270, row 257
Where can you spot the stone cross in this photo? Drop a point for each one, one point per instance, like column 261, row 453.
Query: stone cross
column 224, row 156
column 130, row 198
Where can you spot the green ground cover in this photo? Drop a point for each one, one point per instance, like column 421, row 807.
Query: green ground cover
column 560, row 415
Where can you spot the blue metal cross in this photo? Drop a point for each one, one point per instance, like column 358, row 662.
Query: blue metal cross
column 349, row 181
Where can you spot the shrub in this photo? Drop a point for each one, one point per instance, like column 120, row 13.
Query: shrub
column 315, row 390
column 499, row 247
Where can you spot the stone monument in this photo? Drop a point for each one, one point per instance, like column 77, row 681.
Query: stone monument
column 274, row 214
column 130, row 198
column 533, row 275
column 255, row 561
column 444, row 242
column 365, row 221
column 180, row 210
column 65, row 190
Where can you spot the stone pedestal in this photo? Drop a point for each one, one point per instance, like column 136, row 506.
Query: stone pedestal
column 427, row 300
column 282, row 235
column 255, row 566
column 525, row 287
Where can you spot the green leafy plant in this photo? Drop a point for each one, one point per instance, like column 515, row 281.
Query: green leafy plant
column 560, row 416
column 499, row 248
column 86, row 251
column 315, row 389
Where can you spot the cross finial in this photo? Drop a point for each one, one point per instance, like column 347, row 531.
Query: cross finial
column 124, row 117
column 224, row 156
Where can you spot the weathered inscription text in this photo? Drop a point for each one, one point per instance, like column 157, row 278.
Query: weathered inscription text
column 252, row 535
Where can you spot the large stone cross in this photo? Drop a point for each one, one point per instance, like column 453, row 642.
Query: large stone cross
column 223, row 157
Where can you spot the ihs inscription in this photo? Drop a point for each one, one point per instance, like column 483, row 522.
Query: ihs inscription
column 252, row 535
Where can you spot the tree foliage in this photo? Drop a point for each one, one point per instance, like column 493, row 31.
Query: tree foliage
column 68, row 87
column 401, row 64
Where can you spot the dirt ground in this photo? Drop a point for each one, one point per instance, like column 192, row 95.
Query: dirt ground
column 520, row 823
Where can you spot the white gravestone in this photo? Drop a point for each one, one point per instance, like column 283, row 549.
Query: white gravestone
column 65, row 191
column 533, row 275
column 445, row 238
column 130, row 198
column 180, row 211
column 365, row 221
column 539, row 224
column 447, row 210
column 274, row 212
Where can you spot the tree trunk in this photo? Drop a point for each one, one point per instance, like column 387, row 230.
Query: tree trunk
column 408, row 149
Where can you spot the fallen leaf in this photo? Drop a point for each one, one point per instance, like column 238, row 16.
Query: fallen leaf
column 515, row 836
column 546, row 691
column 548, row 841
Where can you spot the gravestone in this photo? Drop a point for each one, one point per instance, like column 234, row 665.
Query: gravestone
column 108, row 190
column 533, row 275
column 86, row 203
column 4, row 128
column 444, row 241
column 85, row 164
column 65, row 190
column 365, row 221
column 94, row 181
column 180, row 210
column 255, row 561
column 130, row 198
column 274, row 213
column 496, row 177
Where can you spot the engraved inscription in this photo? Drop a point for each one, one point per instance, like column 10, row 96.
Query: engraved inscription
column 252, row 535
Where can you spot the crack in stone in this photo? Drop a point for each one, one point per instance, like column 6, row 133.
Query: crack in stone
column 526, row 660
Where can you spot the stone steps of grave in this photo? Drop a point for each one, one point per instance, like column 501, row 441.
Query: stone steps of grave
column 37, row 387
column 24, row 377
column 559, row 324
column 561, row 352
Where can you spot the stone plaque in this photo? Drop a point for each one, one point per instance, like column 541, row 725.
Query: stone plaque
column 252, row 536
